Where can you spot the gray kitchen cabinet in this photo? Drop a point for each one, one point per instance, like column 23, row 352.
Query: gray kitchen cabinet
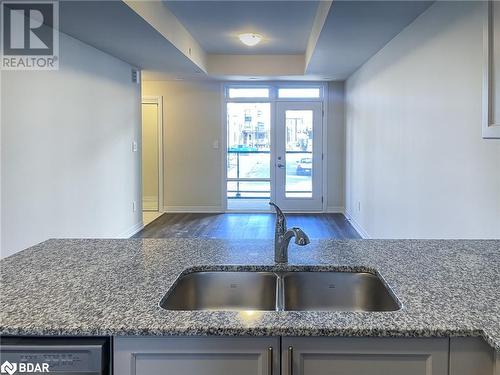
column 196, row 355
column 188, row 355
column 471, row 356
column 374, row 356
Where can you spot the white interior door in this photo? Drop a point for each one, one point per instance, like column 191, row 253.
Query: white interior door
column 152, row 154
column 298, row 156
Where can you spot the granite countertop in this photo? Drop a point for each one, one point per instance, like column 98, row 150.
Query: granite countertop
column 112, row 287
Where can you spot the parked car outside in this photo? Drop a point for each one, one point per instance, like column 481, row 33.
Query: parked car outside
column 304, row 167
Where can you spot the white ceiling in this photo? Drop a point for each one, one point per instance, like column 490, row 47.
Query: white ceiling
column 285, row 25
column 356, row 30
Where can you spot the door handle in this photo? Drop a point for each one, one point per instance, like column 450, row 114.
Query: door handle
column 290, row 360
column 279, row 165
column 270, row 360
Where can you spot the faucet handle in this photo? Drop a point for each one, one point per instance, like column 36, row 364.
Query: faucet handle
column 301, row 238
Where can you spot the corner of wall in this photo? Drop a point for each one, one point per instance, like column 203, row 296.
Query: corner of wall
column 361, row 231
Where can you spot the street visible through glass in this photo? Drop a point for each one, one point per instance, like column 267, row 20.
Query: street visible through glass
column 299, row 147
column 249, row 150
column 248, row 153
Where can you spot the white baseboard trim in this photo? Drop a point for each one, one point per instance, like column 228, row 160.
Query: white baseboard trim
column 363, row 233
column 132, row 230
column 335, row 210
column 193, row 209
column 248, row 211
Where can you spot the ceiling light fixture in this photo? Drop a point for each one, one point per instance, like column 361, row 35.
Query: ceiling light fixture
column 250, row 39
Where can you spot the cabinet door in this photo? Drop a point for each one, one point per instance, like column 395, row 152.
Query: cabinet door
column 356, row 356
column 196, row 355
column 471, row 356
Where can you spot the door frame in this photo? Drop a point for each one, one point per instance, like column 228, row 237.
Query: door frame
column 273, row 99
column 158, row 100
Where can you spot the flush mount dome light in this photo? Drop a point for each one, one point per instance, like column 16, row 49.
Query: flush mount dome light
column 250, row 39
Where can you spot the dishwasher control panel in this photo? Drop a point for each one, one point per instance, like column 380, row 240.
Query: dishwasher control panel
column 55, row 355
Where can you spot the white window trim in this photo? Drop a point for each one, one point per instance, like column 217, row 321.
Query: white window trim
column 273, row 91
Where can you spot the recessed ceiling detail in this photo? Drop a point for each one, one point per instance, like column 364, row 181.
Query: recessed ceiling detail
column 302, row 40
column 217, row 24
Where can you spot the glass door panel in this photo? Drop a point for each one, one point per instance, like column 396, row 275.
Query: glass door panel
column 248, row 155
column 299, row 155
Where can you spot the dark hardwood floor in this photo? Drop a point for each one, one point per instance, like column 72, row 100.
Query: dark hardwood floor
column 245, row 226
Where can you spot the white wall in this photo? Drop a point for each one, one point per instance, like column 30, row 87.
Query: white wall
column 192, row 120
column 416, row 162
column 66, row 150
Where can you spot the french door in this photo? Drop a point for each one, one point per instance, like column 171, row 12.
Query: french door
column 298, row 154
column 274, row 149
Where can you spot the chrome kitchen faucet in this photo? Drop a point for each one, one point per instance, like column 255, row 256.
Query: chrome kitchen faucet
column 282, row 236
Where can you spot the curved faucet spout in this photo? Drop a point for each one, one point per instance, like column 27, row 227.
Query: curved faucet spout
column 282, row 236
column 276, row 207
column 280, row 226
column 280, row 217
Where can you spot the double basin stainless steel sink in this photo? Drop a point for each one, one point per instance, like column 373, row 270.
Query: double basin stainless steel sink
column 280, row 291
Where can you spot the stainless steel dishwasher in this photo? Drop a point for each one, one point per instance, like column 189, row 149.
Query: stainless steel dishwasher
column 58, row 355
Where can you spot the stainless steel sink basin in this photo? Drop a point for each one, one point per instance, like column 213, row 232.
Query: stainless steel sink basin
column 219, row 290
column 341, row 291
column 294, row 291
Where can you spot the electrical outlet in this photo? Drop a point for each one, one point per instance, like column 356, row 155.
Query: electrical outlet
column 134, row 206
column 134, row 146
column 359, row 206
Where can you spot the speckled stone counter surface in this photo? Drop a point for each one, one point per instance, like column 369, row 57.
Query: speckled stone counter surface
column 112, row 287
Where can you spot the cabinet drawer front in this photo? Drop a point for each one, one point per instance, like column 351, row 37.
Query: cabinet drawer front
column 374, row 356
column 196, row 355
